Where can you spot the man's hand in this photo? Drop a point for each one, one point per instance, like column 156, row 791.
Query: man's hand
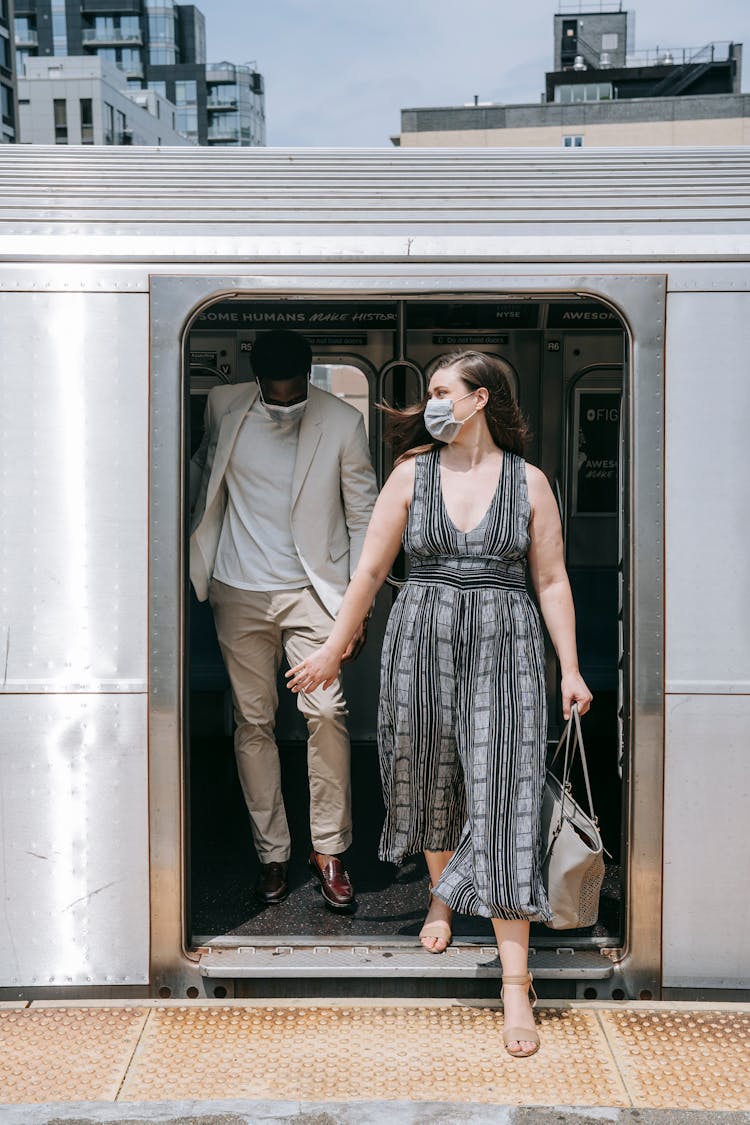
column 357, row 643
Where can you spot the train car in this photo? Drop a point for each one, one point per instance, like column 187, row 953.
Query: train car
column 615, row 285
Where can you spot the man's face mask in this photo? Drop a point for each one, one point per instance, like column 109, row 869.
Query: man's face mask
column 284, row 416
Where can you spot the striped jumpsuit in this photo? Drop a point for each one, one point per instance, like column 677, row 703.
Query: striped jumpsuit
column 463, row 719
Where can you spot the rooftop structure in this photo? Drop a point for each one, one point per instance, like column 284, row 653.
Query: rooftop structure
column 603, row 93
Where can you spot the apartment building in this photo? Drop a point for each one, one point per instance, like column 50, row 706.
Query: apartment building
column 158, row 45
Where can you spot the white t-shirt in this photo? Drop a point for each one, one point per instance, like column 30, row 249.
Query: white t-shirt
column 256, row 548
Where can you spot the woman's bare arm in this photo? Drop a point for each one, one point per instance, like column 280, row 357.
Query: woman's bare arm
column 380, row 549
column 550, row 581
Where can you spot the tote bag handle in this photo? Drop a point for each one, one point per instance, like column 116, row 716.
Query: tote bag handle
column 573, row 725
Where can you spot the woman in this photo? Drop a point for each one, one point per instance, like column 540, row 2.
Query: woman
column 462, row 724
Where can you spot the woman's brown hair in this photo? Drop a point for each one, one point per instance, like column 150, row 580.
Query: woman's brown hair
column 407, row 434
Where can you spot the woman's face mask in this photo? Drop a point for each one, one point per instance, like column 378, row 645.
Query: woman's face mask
column 440, row 420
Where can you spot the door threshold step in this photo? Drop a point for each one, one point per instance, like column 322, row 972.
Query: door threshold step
column 540, row 943
column 358, row 960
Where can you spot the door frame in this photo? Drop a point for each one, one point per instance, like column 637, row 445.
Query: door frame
column 640, row 301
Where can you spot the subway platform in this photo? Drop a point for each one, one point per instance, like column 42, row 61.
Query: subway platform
column 341, row 1062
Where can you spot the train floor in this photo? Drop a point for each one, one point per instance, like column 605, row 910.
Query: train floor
column 390, row 901
column 341, row 1062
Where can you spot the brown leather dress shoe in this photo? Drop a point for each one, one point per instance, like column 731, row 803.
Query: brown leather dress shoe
column 335, row 884
column 272, row 885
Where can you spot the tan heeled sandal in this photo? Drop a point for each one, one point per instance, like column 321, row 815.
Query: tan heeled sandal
column 439, row 930
column 520, row 1034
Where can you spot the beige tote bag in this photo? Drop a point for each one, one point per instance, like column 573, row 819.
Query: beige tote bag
column 573, row 854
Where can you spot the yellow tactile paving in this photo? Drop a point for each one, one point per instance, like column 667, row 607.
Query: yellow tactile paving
column 645, row 1055
column 450, row 1053
column 66, row 1054
column 683, row 1059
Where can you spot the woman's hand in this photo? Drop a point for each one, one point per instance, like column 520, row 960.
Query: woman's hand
column 320, row 667
column 574, row 690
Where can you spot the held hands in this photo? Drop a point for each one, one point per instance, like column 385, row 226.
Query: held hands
column 323, row 667
column 574, row 690
column 319, row 668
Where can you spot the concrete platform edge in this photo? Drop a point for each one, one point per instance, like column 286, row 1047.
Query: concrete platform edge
column 234, row 1112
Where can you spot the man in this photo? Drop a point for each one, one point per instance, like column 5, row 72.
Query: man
column 283, row 490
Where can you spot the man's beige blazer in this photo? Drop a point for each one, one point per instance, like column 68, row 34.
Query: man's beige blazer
column 333, row 489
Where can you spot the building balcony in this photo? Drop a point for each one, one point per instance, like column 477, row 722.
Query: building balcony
column 132, row 70
column 216, row 104
column 112, row 37
column 221, row 134
column 222, row 72
column 26, row 39
column 104, row 7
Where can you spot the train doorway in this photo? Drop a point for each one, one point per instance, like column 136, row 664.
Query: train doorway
column 568, row 358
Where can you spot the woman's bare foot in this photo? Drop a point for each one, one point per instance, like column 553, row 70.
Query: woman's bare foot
column 518, row 1014
column 435, row 934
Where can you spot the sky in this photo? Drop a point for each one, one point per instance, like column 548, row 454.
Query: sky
column 338, row 72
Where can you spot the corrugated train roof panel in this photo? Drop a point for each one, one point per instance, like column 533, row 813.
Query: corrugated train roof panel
column 214, row 202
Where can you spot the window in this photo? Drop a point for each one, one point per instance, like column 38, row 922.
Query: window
column 109, row 53
column 130, row 27
column 60, row 111
column 187, row 121
column 584, row 92
column 4, row 53
column 24, row 30
column 121, row 125
column 574, row 141
column 226, row 125
column 109, row 124
column 162, row 56
column 59, row 28
column 597, row 422
column 161, row 29
column 130, row 57
column 158, row 88
column 223, row 94
column 185, row 93
column 87, row 121
column 200, row 37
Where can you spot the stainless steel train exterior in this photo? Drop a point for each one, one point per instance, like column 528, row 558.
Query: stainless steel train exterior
column 108, row 261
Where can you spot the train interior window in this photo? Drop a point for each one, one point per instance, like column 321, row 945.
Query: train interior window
column 565, row 360
column 347, row 382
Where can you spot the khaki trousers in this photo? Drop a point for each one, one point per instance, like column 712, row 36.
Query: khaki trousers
column 254, row 628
